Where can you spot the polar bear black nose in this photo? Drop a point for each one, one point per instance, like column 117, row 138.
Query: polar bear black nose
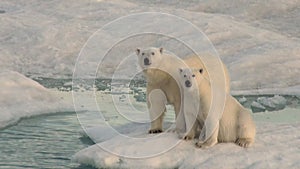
column 146, row 61
column 188, row 83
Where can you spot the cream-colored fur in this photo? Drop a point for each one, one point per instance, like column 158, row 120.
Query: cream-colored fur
column 162, row 73
column 236, row 124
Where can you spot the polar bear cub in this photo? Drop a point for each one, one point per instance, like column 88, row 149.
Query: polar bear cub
column 161, row 72
column 236, row 124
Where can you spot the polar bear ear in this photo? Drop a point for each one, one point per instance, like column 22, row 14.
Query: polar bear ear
column 161, row 50
column 201, row 70
column 180, row 70
column 137, row 51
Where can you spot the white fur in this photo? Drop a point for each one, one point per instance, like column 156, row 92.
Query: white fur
column 162, row 74
column 235, row 125
column 158, row 101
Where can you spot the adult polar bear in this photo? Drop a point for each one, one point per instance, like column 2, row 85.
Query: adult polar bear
column 236, row 124
column 161, row 72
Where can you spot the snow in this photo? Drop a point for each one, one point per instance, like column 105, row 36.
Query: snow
column 257, row 41
column 276, row 146
column 257, row 107
column 21, row 97
column 242, row 100
column 279, row 101
column 128, row 145
column 272, row 103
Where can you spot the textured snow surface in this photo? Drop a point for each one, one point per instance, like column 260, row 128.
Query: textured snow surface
column 276, row 146
column 22, row 97
column 257, row 40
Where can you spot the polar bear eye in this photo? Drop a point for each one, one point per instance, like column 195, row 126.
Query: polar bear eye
column 143, row 53
column 152, row 53
column 193, row 75
column 184, row 75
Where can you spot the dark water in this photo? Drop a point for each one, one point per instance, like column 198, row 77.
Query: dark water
column 47, row 141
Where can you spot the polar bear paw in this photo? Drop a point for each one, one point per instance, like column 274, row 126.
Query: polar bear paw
column 155, row 131
column 206, row 144
column 189, row 136
column 244, row 142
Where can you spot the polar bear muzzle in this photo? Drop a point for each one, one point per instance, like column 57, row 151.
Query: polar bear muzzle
column 147, row 62
column 188, row 83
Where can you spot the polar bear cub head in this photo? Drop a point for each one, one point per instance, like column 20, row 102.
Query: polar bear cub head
column 188, row 77
column 150, row 57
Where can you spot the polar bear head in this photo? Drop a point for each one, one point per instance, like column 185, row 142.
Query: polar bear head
column 150, row 57
column 188, row 76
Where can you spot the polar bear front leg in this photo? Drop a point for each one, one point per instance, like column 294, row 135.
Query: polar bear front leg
column 157, row 106
column 246, row 129
column 191, row 132
column 191, row 123
column 211, row 141
column 179, row 124
column 156, row 123
column 183, row 130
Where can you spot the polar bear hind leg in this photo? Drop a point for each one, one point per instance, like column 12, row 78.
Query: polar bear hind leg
column 246, row 129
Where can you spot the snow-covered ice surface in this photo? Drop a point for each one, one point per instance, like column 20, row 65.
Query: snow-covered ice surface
column 259, row 41
column 276, row 146
column 22, row 97
column 129, row 146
